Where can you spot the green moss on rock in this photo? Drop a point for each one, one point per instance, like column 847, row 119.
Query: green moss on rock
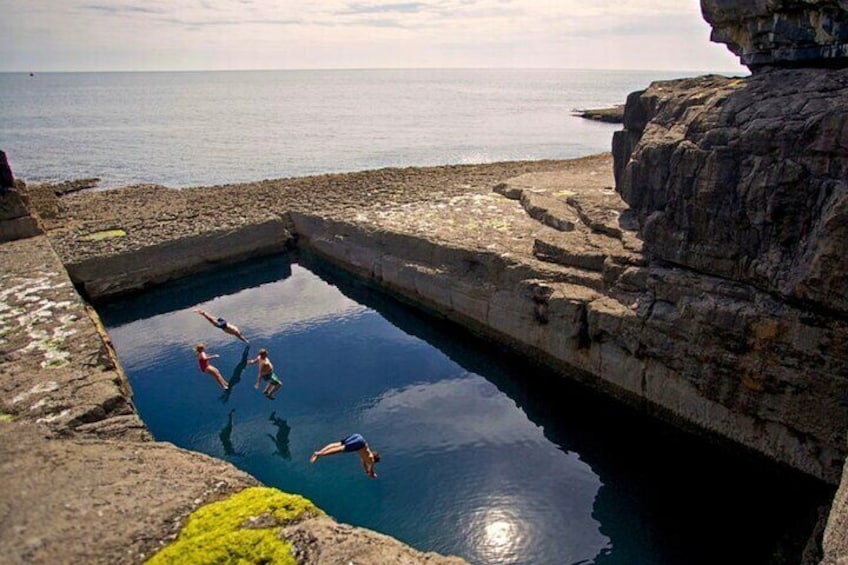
column 106, row 234
column 241, row 529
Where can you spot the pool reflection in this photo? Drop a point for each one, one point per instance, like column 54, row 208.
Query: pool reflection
column 486, row 456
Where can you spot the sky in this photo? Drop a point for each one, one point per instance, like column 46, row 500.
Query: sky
column 143, row 35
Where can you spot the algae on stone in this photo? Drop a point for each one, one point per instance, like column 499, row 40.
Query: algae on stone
column 105, row 234
column 240, row 529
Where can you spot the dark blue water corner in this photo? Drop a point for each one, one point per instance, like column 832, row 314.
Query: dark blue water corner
column 485, row 455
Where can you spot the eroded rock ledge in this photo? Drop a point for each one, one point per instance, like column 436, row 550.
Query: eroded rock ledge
column 766, row 33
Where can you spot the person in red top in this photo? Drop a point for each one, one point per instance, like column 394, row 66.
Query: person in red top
column 206, row 367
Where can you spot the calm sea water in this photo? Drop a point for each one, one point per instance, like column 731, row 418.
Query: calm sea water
column 485, row 456
column 204, row 128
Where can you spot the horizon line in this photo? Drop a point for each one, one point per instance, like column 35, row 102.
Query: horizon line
column 427, row 68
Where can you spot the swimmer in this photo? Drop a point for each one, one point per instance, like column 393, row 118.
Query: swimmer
column 266, row 373
column 206, row 367
column 222, row 324
column 353, row 442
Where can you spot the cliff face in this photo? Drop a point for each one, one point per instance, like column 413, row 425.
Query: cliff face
column 781, row 32
column 744, row 179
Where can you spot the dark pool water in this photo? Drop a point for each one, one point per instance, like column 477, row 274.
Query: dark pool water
column 486, row 456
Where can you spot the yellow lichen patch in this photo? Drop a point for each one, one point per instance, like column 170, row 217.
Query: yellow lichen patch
column 499, row 224
column 565, row 193
column 105, row 234
column 240, row 529
column 6, row 417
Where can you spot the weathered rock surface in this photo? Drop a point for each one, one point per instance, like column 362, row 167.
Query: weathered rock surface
column 57, row 366
column 99, row 501
column 835, row 540
column 323, row 541
column 781, row 32
column 745, row 179
column 739, row 186
column 16, row 222
column 7, row 179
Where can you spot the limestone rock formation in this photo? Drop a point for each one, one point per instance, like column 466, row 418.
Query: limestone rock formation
column 7, row 179
column 781, row 32
column 16, row 220
column 746, row 179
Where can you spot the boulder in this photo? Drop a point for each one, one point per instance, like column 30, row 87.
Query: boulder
column 7, row 179
column 16, row 221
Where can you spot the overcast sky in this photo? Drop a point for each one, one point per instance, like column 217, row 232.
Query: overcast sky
column 93, row 35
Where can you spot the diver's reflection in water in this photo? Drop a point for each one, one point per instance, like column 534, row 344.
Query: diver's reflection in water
column 281, row 440
column 235, row 377
column 226, row 436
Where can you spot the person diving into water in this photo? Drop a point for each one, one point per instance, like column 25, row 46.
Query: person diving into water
column 352, row 443
column 203, row 359
column 266, row 373
column 222, row 324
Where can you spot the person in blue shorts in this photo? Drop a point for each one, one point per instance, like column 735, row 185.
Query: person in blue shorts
column 222, row 324
column 352, row 443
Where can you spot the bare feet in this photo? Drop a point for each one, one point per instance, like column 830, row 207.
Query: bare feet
column 314, row 458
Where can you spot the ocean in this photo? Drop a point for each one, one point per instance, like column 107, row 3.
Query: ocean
column 183, row 129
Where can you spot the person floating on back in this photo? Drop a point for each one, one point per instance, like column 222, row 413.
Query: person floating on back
column 353, row 442
column 222, row 324
column 266, row 373
column 206, row 367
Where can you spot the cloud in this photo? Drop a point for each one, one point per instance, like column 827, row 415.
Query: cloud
column 381, row 8
column 261, row 312
column 257, row 34
column 455, row 412
column 121, row 8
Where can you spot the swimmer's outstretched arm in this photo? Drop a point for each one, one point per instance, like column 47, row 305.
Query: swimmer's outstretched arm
column 206, row 315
